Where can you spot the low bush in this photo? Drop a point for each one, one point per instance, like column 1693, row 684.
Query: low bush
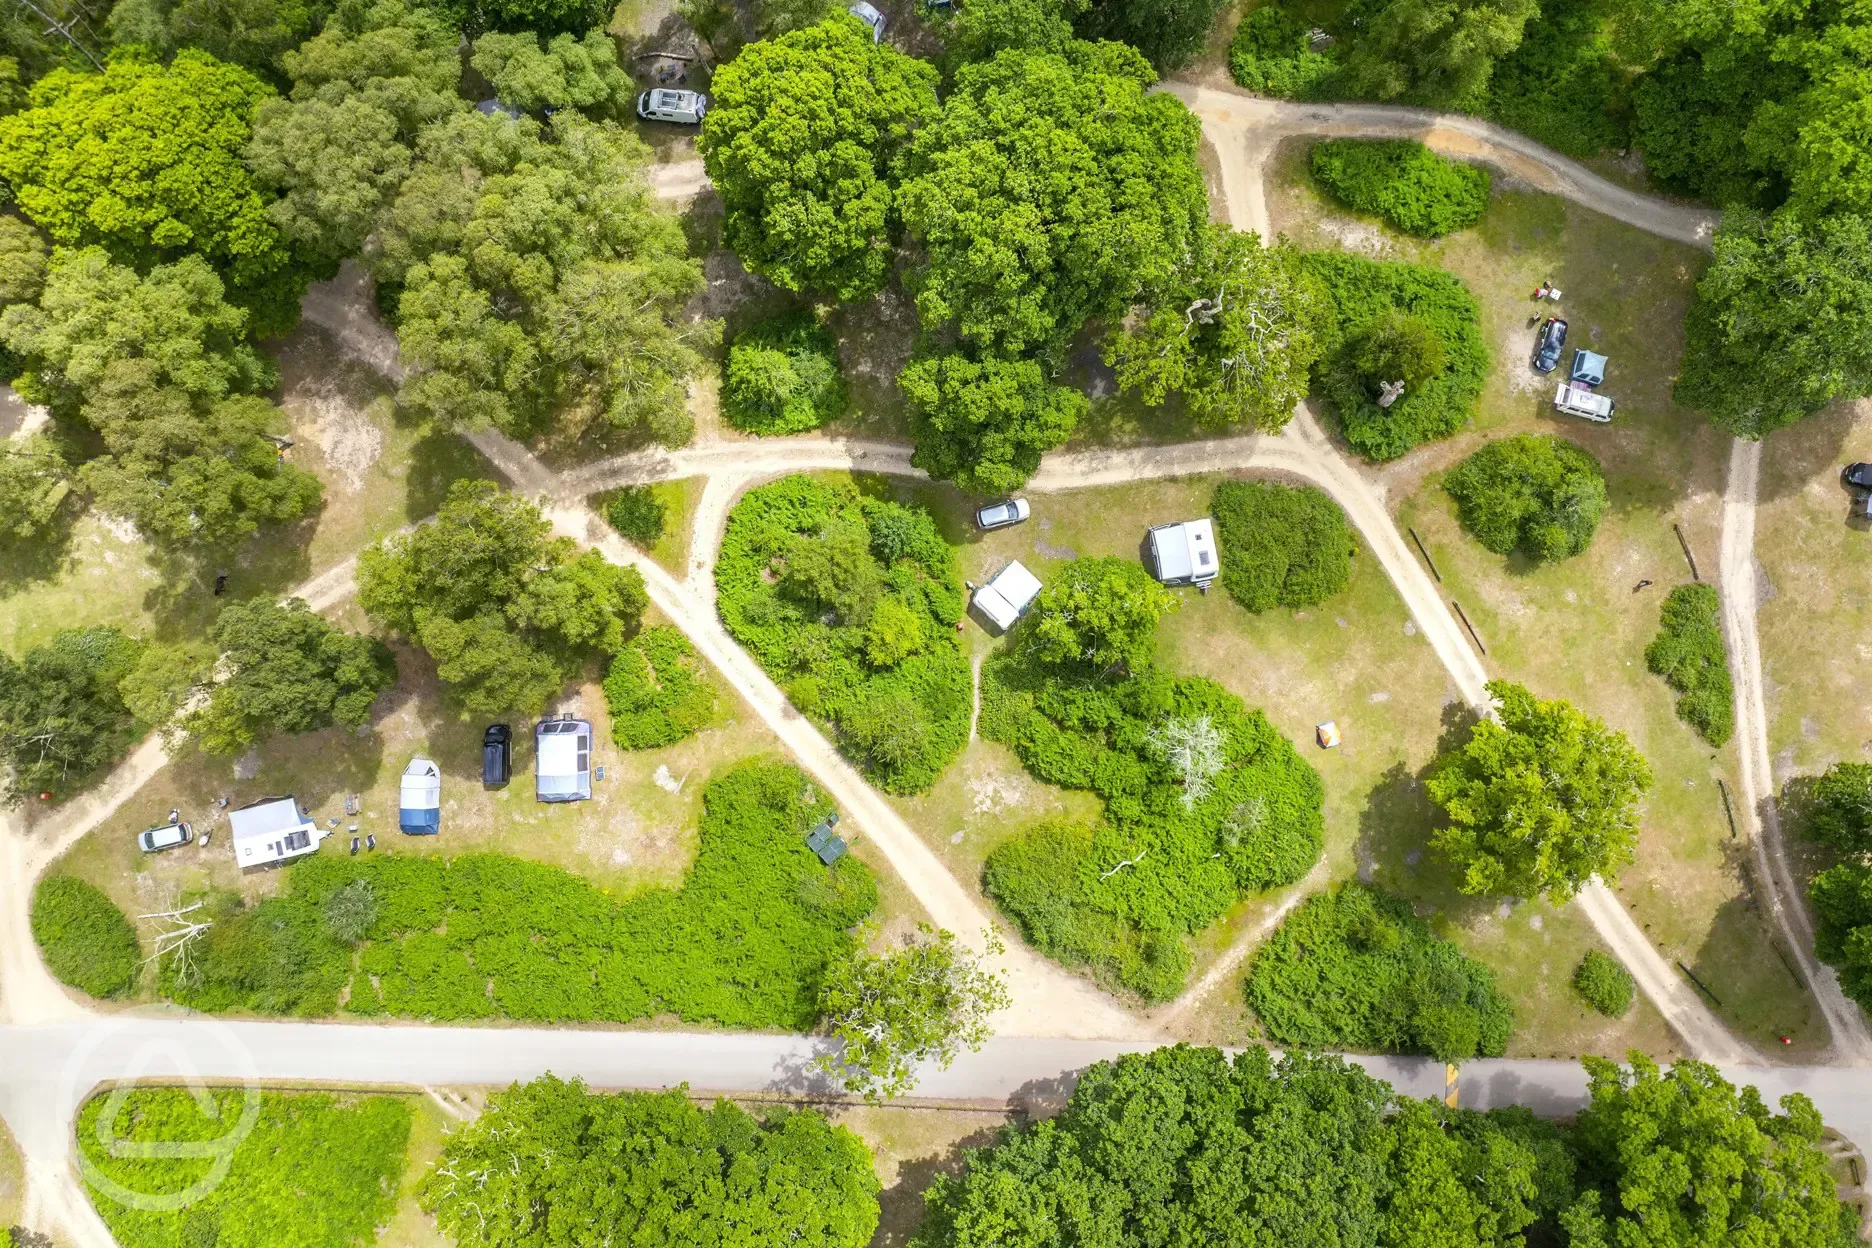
column 804, row 572
column 743, row 943
column 658, row 691
column 1604, row 983
column 1357, row 970
column 1204, row 801
column 782, row 376
column 87, row 941
column 1842, row 902
column 1839, row 809
column 1270, row 55
column 1404, row 183
column 638, row 514
column 1542, row 496
column 1689, row 654
column 1371, row 296
column 316, row 1171
column 1281, row 545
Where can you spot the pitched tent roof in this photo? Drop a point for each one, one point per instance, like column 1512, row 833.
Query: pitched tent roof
column 419, row 810
column 1589, row 367
column 1007, row 595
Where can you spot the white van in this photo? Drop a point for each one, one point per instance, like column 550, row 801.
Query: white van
column 1575, row 401
column 682, row 108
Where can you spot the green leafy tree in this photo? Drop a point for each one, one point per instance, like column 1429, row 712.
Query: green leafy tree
column 1842, row 904
column 1685, row 1157
column 87, row 941
column 1234, row 332
column 806, row 139
column 923, row 1002
column 1840, row 810
column 1689, row 654
column 540, row 283
column 22, row 261
column 1168, row 32
column 549, row 1165
column 62, row 719
column 1542, row 496
column 1540, row 800
column 564, row 72
column 165, row 679
column 187, row 193
column 1777, row 330
column 337, row 150
column 985, row 424
column 285, row 670
column 1099, row 614
column 1397, row 346
column 250, row 33
column 507, row 611
column 1053, row 189
column 782, row 376
column 544, row 17
column 1438, row 52
column 980, row 30
column 160, row 368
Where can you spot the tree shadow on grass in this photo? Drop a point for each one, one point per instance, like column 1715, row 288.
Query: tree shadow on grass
column 184, row 601
column 41, row 558
column 1817, row 447
column 437, row 461
column 1745, row 972
column 900, row 1206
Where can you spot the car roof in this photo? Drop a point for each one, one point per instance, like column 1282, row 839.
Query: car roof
column 669, row 97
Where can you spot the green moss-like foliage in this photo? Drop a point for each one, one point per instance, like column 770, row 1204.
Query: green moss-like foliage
column 1839, row 807
column 782, row 376
column 1563, row 86
column 1689, row 654
column 1257, row 826
column 316, row 1171
column 804, row 572
column 1364, row 294
column 1604, row 983
column 86, row 940
column 1403, row 182
column 658, row 691
column 1281, row 545
column 1269, row 55
column 637, row 514
column 1542, row 496
column 743, row 943
column 1357, row 970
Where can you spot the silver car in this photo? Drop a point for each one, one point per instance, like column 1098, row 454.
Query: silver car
column 682, row 108
column 169, row 836
column 869, row 15
column 1000, row 515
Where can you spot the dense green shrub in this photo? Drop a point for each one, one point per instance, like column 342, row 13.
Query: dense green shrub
column 1842, row 902
column 782, row 376
column 1689, row 654
column 804, row 570
column 658, row 691
column 1839, row 811
column 1604, row 983
column 743, row 943
column 1365, row 295
column 638, row 514
column 86, row 940
column 1270, row 56
column 1403, row 182
column 1357, row 970
column 1280, row 545
column 1563, row 86
column 317, row 1170
column 1542, row 496
column 1204, row 801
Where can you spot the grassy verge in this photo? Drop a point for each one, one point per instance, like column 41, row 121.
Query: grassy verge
column 12, row 1179
column 679, row 500
column 909, row 1148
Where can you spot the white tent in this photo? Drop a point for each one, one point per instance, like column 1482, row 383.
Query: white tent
column 1007, row 595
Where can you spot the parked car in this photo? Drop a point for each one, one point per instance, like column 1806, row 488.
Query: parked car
column 682, row 108
column 1000, row 515
column 869, row 15
column 496, row 755
column 1549, row 344
column 1858, row 476
column 169, row 836
column 562, row 751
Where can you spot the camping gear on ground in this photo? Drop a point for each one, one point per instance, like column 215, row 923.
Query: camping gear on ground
column 1327, row 734
column 354, row 845
column 419, row 809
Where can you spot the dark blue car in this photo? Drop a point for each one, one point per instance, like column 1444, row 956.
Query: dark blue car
column 1549, row 344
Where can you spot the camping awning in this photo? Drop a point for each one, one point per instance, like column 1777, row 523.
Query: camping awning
column 1589, row 367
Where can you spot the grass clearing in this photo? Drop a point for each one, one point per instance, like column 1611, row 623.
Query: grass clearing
column 409, row 1226
column 12, row 1179
column 909, row 1148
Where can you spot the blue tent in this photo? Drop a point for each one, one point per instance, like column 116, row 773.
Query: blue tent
column 419, row 811
column 1589, row 367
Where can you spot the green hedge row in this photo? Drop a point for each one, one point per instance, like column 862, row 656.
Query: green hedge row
column 1357, row 970
column 1689, row 654
column 658, row 691
column 1402, row 182
column 1259, row 825
column 1281, row 545
column 87, row 941
column 315, row 1171
column 1365, row 294
column 851, row 603
column 1540, row 495
column 743, row 942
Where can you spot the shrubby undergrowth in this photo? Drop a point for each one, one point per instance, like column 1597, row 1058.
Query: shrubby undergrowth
column 1542, row 496
column 850, row 603
column 782, row 376
column 1604, row 983
column 658, row 691
column 1689, row 654
column 87, row 941
column 1281, row 545
column 743, row 943
column 1356, row 969
column 1403, row 182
